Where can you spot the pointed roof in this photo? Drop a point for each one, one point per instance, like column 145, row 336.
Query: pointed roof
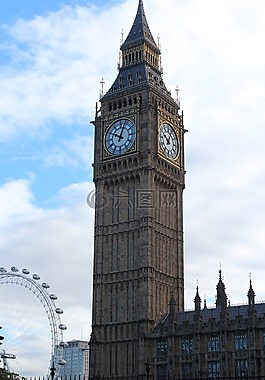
column 172, row 305
column 221, row 298
column 251, row 291
column 197, row 303
column 197, row 298
column 140, row 31
column 139, row 72
column 251, row 294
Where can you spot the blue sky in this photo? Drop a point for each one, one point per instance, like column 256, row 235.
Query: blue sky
column 26, row 9
column 22, row 154
column 52, row 58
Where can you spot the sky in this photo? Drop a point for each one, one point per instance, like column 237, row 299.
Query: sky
column 53, row 55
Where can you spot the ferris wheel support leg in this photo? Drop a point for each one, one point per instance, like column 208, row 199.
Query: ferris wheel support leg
column 52, row 370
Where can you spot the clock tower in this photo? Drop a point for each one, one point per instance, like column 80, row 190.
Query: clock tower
column 139, row 180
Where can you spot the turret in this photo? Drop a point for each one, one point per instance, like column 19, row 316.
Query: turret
column 251, row 300
column 172, row 306
column 221, row 298
column 197, row 303
column 251, row 294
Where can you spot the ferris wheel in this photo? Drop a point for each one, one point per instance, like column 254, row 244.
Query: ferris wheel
column 23, row 319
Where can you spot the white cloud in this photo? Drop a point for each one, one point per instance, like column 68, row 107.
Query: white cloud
column 16, row 202
column 71, row 152
column 214, row 53
column 53, row 72
column 55, row 243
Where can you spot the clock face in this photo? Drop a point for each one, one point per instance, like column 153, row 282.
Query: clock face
column 120, row 136
column 168, row 141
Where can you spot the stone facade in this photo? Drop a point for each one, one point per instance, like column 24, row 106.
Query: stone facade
column 224, row 341
column 139, row 179
column 139, row 326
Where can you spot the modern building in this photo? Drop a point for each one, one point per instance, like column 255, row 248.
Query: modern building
column 76, row 356
column 139, row 325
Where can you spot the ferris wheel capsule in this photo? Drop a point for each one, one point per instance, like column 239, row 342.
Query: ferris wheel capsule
column 53, row 313
column 63, row 344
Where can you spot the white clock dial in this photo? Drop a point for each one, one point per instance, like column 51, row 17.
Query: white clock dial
column 168, row 140
column 120, row 136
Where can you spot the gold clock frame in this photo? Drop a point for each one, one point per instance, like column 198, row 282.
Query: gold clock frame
column 174, row 125
column 108, row 121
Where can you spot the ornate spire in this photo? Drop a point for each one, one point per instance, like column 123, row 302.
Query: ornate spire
column 140, row 31
column 221, row 298
column 197, row 302
column 139, row 63
column 172, row 306
column 251, row 294
column 251, row 301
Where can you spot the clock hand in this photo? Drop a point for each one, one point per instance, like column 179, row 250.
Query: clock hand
column 168, row 141
column 122, row 129
column 119, row 136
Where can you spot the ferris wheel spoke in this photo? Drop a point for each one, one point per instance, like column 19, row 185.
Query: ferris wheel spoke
column 24, row 319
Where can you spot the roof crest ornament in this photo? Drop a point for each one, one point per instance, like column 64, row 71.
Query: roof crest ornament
column 120, row 53
column 160, row 57
column 101, row 93
column 177, row 95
